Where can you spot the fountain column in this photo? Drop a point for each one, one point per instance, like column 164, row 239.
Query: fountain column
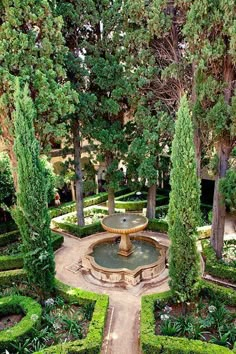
column 125, row 247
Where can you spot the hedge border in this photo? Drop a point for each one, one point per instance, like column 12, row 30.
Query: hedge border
column 17, row 262
column 8, row 277
column 152, row 343
column 32, row 318
column 134, row 205
column 68, row 207
column 9, row 237
column 93, row 342
column 215, row 267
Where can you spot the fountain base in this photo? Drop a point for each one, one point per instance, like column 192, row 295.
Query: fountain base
column 122, row 274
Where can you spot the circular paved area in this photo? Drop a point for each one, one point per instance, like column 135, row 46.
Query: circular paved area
column 122, row 327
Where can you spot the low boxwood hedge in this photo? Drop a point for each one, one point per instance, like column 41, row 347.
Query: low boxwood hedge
column 9, row 237
column 80, row 231
column 32, row 317
column 157, row 225
column 66, row 208
column 152, row 343
column 215, row 267
column 8, row 277
column 16, row 262
column 93, row 342
column 136, row 204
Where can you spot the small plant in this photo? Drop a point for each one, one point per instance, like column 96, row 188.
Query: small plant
column 168, row 328
column 184, row 324
column 222, row 339
column 88, row 311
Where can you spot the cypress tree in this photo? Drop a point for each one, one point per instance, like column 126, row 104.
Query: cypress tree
column 31, row 213
column 184, row 208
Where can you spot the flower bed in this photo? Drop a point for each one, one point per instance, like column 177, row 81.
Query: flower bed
column 31, row 312
column 15, row 260
column 154, row 338
column 220, row 268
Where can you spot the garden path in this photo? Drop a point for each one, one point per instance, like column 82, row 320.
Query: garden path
column 122, row 326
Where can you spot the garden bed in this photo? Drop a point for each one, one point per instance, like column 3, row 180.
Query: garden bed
column 165, row 330
column 224, row 269
column 71, row 322
column 136, row 201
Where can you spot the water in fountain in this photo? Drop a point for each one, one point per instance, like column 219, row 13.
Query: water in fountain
column 144, row 253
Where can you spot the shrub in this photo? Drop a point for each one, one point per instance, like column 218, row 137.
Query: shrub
column 157, row 225
column 16, row 261
column 136, row 204
column 32, row 316
column 9, row 237
column 80, row 231
column 216, row 267
column 9, row 277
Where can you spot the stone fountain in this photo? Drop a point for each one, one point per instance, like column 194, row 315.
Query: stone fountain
column 133, row 259
column 124, row 225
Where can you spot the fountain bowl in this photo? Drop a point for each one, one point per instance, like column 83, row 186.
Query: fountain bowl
column 124, row 275
column 124, row 223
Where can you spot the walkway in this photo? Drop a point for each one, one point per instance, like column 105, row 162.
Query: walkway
column 122, row 327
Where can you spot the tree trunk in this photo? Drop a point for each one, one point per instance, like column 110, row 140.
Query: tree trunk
column 78, row 175
column 218, row 222
column 111, row 201
column 224, row 149
column 110, row 190
column 72, row 185
column 151, row 202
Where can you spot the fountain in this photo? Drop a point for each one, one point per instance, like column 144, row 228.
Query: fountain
column 133, row 259
column 124, row 224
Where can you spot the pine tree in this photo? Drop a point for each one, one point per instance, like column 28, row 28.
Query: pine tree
column 31, row 213
column 184, row 208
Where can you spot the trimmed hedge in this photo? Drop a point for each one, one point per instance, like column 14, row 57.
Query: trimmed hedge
column 216, row 267
column 16, row 261
column 157, row 225
column 93, row 342
column 9, row 237
column 9, row 277
column 134, row 205
column 80, row 231
column 152, row 343
column 66, row 208
column 32, row 317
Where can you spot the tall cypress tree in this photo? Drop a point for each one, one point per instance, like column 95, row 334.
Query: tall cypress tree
column 31, row 213
column 184, row 208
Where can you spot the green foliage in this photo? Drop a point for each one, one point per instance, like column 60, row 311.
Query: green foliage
column 157, row 225
column 7, row 189
column 32, row 316
column 184, row 208
column 9, row 277
column 80, row 231
column 152, row 343
column 36, row 54
column 9, row 237
column 93, row 342
column 217, row 267
column 228, row 188
column 136, row 204
column 31, row 214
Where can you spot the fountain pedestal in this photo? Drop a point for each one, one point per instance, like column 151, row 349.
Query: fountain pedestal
column 125, row 247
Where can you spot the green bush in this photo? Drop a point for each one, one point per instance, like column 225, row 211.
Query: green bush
column 16, row 261
column 9, row 277
column 66, row 208
column 137, row 204
column 32, row 316
column 80, row 231
column 157, row 225
column 93, row 342
column 152, row 343
column 9, row 237
column 216, row 267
